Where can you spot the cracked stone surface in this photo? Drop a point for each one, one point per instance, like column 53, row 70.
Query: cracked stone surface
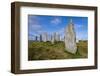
column 70, row 38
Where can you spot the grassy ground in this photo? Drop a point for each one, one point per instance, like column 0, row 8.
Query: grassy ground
column 46, row 51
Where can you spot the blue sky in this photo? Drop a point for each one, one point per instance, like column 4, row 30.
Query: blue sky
column 38, row 24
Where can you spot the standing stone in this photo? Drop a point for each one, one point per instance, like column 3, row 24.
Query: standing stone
column 58, row 37
column 63, row 38
column 45, row 37
column 40, row 38
column 49, row 38
column 54, row 35
column 36, row 38
column 52, row 39
column 70, row 38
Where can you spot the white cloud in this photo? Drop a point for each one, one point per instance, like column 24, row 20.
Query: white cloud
column 36, row 27
column 56, row 21
column 33, row 19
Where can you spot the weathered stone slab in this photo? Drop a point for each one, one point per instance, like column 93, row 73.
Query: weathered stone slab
column 44, row 37
column 40, row 37
column 70, row 38
column 52, row 39
column 36, row 38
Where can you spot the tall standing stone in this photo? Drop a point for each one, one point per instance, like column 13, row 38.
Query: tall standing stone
column 45, row 37
column 36, row 38
column 58, row 37
column 55, row 36
column 52, row 39
column 63, row 38
column 70, row 38
column 40, row 38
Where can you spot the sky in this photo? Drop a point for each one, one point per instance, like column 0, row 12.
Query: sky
column 37, row 24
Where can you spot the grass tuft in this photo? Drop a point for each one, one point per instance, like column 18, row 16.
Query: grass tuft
column 48, row 51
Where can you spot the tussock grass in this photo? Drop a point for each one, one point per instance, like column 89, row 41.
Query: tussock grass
column 48, row 51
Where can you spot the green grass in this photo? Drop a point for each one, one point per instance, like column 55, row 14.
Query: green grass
column 48, row 51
